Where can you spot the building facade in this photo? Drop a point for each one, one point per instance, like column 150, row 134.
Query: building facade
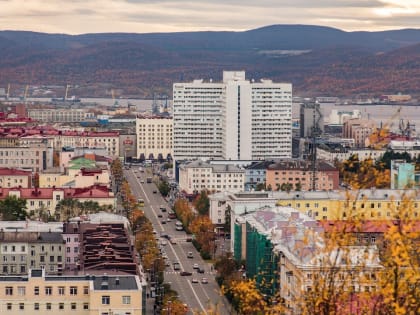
column 21, row 251
column 60, row 115
column 154, row 137
column 198, row 175
column 298, row 175
column 235, row 119
column 11, row 177
column 36, row 293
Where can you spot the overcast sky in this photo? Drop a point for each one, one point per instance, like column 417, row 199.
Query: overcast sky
column 144, row 16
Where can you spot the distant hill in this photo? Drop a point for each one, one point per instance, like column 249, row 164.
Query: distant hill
column 315, row 59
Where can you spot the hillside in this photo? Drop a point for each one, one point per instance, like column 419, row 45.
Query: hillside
column 315, row 59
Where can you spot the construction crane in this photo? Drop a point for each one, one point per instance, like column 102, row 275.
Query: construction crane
column 379, row 138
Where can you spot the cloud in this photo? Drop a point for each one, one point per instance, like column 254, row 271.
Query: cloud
column 85, row 16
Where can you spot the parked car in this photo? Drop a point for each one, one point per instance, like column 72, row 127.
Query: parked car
column 190, row 255
column 155, row 191
column 185, row 273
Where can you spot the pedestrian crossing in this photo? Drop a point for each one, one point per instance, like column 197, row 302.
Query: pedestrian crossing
column 171, row 272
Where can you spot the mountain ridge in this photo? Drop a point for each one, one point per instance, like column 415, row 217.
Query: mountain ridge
column 311, row 57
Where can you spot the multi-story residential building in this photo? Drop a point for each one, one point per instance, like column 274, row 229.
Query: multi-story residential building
column 332, row 155
column 235, row 119
column 80, row 173
column 37, row 293
column 154, row 137
column 32, row 157
column 255, row 175
column 370, row 204
column 12, row 177
column 311, row 120
column 298, row 175
column 60, row 115
column 47, row 199
column 233, row 204
column 284, row 252
column 198, row 175
column 359, row 130
column 21, row 251
column 109, row 140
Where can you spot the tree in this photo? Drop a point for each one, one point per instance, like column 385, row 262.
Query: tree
column 203, row 230
column 13, row 209
column 67, row 208
column 202, row 203
column 164, row 188
column 245, row 297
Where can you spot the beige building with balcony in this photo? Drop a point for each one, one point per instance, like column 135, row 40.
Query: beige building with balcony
column 36, row 293
column 154, row 137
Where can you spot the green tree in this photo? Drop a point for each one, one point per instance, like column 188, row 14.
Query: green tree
column 67, row 208
column 202, row 203
column 164, row 188
column 13, row 209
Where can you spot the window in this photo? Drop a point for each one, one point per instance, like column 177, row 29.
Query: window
column 85, row 306
column 36, row 306
column 126, row 299
column 36, row 291
column 48, row 290
column 61, row 306
column 106, row 299
column 51, row 258
column 48, row 306
column 21, row 291
column 85, row 290
column 73, row 306
column 61, row 291
column 21, row 306
column 9, row 290
column 73, row 290
column 76, row 249
column 9, row 306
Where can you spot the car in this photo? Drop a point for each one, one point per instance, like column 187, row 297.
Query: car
column 188, row 239
column 186, row 273
column 204, row 280
column 155, row 191
column 142, row 182
column 168, row 263
column 194, row 280
column 173, row 242
column 195, row 266
column 163, row 222
column 160, row 216
column 163, row 243
column 168, row 237
column 200, row 270
column 162, row 208
column 168, row 220
column 190, row 255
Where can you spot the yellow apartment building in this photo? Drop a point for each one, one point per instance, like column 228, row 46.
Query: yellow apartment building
column 370, row 204
column 70, row 295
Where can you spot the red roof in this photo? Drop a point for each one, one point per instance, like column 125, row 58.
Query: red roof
column 5, row 171
column 95, row 191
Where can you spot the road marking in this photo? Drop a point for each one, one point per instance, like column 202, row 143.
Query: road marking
column 192, row 289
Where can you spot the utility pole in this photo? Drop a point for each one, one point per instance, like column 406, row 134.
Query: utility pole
column 315, row 133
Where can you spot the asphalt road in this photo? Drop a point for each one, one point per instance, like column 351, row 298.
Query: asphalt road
column 198, row 296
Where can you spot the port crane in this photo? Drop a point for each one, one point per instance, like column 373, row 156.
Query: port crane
column 378, row 139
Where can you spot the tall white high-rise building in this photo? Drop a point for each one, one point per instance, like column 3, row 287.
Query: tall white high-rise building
column 235, row 119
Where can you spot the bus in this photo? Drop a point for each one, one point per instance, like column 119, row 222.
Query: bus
column 140, row 202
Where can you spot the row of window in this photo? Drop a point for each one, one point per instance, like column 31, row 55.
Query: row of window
column 48, row 306
column 48, row 290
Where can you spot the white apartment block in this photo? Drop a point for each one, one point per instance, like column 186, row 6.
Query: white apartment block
column 154, row 137
column 235, row 119
column 50, row 115
column 198, row 175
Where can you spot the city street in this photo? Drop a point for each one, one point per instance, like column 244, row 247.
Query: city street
column 198, row 295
